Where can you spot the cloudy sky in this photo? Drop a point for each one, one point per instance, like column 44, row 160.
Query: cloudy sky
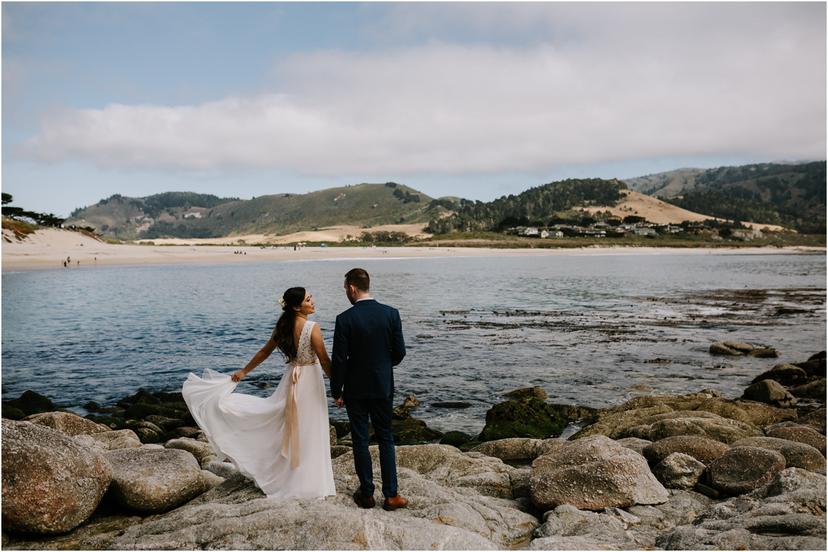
column 470, row 99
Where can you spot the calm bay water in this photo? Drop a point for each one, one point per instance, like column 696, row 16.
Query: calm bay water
column 592, row 329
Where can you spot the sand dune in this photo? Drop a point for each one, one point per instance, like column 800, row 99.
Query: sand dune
column 659, row 212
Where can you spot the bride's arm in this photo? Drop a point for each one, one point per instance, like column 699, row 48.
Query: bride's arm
column 319, row 348
column 257, row 359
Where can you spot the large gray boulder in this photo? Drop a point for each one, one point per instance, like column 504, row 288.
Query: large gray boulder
column 110, row 440
column 799, row 433
column 786, row 514
column 679, row 471
column 518, row 449
column 68, row 423
column 150, row 480
column 701, row 448
column 51, row 484
column 797, row 455
column 591, row 474
column 744, row 469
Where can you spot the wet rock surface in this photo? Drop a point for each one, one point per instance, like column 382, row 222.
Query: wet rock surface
column 737, row 348
column 527, row 416
column 28, row 403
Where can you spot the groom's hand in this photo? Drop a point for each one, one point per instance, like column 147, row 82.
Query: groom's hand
column 340, row 402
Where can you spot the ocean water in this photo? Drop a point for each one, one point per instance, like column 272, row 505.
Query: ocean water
column 592, row 329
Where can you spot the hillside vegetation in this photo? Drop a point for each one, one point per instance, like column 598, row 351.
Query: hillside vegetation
column 666, row 184
column 787, row 195
column 536, row 206
column 187, row 215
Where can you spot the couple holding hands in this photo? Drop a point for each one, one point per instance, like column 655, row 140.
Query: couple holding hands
column 282, row 441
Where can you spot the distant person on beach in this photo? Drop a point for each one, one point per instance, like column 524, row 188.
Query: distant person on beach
column 368, row 343
column 282, row 441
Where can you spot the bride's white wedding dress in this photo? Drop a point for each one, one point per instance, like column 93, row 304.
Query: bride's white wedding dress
column 282, row 442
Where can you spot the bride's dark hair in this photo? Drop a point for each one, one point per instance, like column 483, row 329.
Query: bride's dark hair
column 283, row 334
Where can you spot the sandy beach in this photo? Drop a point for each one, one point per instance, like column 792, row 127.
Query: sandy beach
column 48, row 248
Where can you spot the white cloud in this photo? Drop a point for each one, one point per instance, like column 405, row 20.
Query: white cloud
column 608, row 84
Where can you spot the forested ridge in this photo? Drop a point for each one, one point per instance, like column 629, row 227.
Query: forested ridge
column 536, row 206
column 788, row 195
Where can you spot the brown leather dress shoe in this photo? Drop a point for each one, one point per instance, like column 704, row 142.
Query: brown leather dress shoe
column 394, row 502
column 364, row 501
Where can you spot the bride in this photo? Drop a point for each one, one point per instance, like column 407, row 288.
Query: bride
column 282, row 442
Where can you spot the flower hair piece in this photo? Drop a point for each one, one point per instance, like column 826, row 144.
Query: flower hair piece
column 282, row 302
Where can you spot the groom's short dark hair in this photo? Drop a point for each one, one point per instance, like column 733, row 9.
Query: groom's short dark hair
column 358, row 278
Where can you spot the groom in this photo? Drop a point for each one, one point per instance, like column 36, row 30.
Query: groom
column 368, row 343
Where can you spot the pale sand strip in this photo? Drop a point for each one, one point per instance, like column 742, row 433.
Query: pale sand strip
column 331, row 234
column 49, row 248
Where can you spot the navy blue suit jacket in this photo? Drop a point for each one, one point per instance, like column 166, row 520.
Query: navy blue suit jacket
column 368, row 343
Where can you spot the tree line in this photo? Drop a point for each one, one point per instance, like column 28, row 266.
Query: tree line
column 534, row 207
column 787, row 195
column 43, row 219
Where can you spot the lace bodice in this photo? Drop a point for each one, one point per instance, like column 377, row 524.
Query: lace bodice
column 304, row 352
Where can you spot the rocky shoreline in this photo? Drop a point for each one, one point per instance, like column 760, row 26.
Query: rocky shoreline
column 694, row 471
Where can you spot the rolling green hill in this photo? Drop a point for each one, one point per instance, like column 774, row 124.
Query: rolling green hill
column 188, row 215
column 772, row 193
